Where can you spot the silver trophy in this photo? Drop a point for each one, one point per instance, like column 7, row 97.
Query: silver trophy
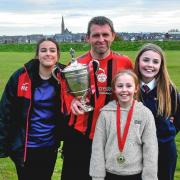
column 77, row 79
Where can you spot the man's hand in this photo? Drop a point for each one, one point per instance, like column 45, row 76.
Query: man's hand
column 77, row 107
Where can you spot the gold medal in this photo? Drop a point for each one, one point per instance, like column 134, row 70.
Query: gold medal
column 120, row 158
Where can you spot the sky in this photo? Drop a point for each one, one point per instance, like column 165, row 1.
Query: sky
column 26, row 17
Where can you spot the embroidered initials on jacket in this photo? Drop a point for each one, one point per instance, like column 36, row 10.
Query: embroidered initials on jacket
column 24, row 86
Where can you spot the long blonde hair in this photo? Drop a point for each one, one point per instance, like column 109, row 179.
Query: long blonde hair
column 163, row 80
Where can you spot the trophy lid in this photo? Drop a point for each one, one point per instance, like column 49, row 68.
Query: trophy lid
column 74, row 66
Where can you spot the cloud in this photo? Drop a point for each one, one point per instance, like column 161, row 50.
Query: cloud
column 44, row 16
column 37, row 19
column 40, row 1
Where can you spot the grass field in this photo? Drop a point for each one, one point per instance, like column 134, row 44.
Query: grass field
column 10, row 61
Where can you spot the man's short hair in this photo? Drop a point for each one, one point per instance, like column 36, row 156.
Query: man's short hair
column 100, row 20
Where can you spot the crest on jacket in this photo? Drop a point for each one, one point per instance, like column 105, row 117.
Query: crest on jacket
column 24, row 86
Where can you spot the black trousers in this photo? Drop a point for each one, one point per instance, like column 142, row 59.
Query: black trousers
column 39, row 164
column 20, row 171
column 110, row 176
column 167, row 160
column 77, row 153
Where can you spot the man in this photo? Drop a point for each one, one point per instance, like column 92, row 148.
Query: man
column 77, row 144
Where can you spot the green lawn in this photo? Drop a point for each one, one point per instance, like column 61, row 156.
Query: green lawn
column 10, row 61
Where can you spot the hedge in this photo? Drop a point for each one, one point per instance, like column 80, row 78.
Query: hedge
column 116, row 46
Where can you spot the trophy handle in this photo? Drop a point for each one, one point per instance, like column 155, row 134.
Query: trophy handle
column 53, row 72
column 86, row 107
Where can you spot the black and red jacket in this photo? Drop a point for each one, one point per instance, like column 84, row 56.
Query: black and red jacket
column 15, row 110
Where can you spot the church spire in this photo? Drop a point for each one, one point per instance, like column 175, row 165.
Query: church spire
column 62, row 26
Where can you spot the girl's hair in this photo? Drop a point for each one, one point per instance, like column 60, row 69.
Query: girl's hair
column 47, row 39
column 162, row 78
column 133, row 75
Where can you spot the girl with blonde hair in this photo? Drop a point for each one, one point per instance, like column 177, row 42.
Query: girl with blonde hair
column 125, row 142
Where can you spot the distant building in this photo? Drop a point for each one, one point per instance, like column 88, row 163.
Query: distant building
column 174, row 35
column 63, row 29
column 62, row 26
column 67, row 36
column 34, row 38
column 64, row 36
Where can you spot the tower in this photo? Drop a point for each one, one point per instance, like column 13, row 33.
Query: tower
column 62, row 26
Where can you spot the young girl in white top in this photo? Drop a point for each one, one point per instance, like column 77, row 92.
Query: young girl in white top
column 125, row 143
